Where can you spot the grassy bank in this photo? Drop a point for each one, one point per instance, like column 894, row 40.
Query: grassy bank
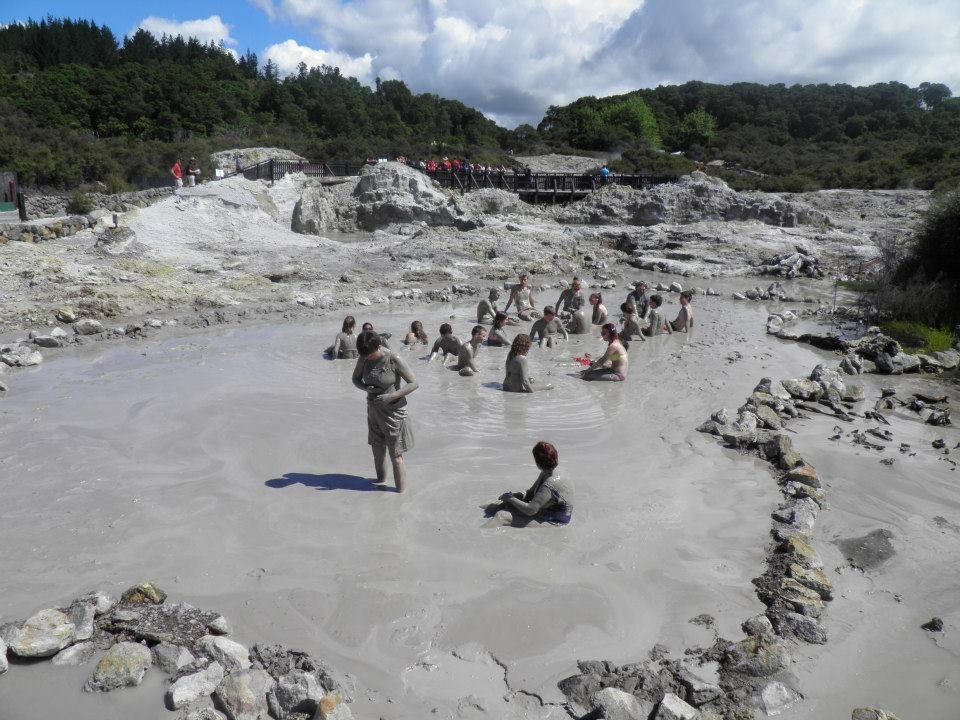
column 916, row 337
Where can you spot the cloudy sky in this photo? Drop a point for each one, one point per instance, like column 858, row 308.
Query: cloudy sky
column 513, row 58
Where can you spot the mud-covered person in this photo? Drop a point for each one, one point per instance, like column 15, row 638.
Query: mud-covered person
column 548, row 501
column 488, row 308
column 631, row 327
column 641, row 301
column 570, row 307
column 467, row 356
column 548, row 328
column 497, row 336
column 387, row 381
column 416, row 336
column 657, row 325
column 599, row 315
column 447, row 343
column 521, row 295
column 684, row 321
column 517, row 368
column 612, row 365
column 345, row 343
column 384, row 337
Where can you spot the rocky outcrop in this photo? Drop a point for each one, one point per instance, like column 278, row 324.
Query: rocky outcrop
column 693, row 198
column 394, row 193
column 243, row 695
column 124, row 665
column 41, row 206
column 34, row 232
column 42, row 635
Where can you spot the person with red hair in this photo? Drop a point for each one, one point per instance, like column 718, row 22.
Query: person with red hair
column 549, row 499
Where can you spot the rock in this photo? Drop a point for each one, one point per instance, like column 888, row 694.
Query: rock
column 798, row 490
column 243, row 695
column 100, row 600
column 813, row 579
column 278, row 661
column 395, row 193
column 804, row 515
column 712, row 292
column 615, row 704
column 232, row 655
column 710, row 427
column 58, row 333
column 802, row 553
column 219, row 626
column 333, row 707
column 802, row 627
column 949, row 359
column 298, row 691
column 76, row 654
column 778, row 449
column 769, row 417
column 363, row 300
column 868, row 713
column 4, row 663
column 802, row 599
column 207, row 713
column 82, row 615
column 47, row 341
column 851, row 364
column 87, row 327
column 124, row 665
column 154, row 323
column 803, row 389
column 190, row 688
column 174, row 623
column 804, row 474
column 777, row 697
column 306, row 300
column 933, row 625
column 45, row 634
column 170, row 658
column 854, row 392
column 676, row 287
column 673, row 708
column 66, row 314
column 32, row 359
column 757, row 656
column 144, row 594
column 747, row 421
column 757, row 625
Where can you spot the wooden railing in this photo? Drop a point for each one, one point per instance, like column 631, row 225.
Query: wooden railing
column 273, row 170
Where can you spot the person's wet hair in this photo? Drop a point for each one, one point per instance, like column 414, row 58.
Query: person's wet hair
column 628, row 308
column 445, row 329
column 477, row 329
column 367, row 342
column 416, row 327
column 611, row 331
column 545, row 455
column 494, row 293
column 688, row 294
column 367, row 327
column 576, row 281
column 348, row 324
column 500, row 319
column 520, row 346
column 523, row 276
column 598, row 297
column 549, row 310
column 656, row 300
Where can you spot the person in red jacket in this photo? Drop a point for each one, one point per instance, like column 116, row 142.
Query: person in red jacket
column 177, row 172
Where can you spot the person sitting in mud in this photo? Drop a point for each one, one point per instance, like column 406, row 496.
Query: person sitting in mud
column 380, row 373
column 417, row 335
column 522, row 296
column 684, row 321
column 612, row 365
column 549, row 500
column 631, row 329
column 571, row 300
column 887, row 361
column 517, row 377
column 466, row 364
column 447, row 343
column 368, row 327
column 656, row 326
column 547, row 328
column 488, row 307
column 345, row 344
column 599, row 311
column 497, row 336
column 638, row 296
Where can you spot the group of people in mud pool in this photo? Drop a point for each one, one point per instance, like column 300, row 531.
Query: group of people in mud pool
column 387, row 380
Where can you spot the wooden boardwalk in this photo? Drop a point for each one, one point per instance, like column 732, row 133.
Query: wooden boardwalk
column 533, row 187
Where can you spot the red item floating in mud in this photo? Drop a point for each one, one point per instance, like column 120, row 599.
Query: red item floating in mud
column 585, row 360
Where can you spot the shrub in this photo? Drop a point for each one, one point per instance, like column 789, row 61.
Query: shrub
column 79, row 204
column 917, row 337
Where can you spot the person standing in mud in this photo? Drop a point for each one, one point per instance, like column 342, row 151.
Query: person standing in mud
column 381, row 374
column 468, row 352
column 522, row 296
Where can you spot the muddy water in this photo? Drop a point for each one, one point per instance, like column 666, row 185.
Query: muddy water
column 232, row 469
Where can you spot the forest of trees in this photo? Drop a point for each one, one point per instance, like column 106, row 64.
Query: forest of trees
column 78, row 104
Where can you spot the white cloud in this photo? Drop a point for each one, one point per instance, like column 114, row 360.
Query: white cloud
column 211, row 29
column 512, row 59
column 267, row 7
column 289, row 54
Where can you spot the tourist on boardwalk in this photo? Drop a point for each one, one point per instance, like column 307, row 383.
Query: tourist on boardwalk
column 517, row 377
column 570, row 306
column 193, row 170
column 612, row 365
column 417, row 335
column 684, row 321
column 177, row 172
column 549, row 500
column 468, row 352
column 522, row 296
column 345, row 344
column 380, row 374
column 497, row 336
column 657, row 325
column 448, row 343
column 547, row 328
column 631, row 328
column 605, row 174
column 238, row 163
column 599, row 316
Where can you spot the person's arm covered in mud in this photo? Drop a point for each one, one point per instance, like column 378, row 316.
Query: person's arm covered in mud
column 406, row 375
column 530, row 506
column 601, row 361
column 561, row 329
column 513, row 298
column 357, row 378
column 525, row 375
column 436, row 349
column 562, row 300
column 335, row 352
column 537, row 330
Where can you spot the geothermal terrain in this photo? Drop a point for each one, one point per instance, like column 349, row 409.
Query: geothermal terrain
column 762, row 524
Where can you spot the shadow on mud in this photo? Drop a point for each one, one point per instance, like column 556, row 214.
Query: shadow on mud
column 329, row 481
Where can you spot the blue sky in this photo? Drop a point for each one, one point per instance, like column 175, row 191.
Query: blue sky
column 511, row 59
